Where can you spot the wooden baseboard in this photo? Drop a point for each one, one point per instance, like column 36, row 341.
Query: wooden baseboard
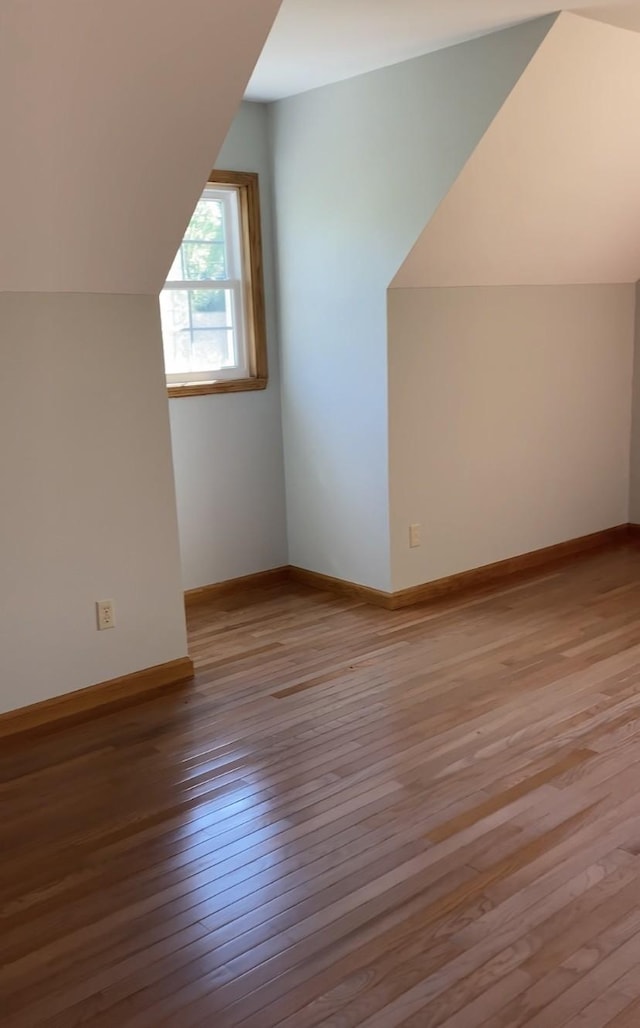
column 340, row 586
column 102, row 698
column 442, row 588
column 523, row 564
column 475, row 578
column 194, row 597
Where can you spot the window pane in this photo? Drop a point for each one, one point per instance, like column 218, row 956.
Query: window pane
column 202, row 254
column 207, row 221
column 203, row 261
column 198, row 330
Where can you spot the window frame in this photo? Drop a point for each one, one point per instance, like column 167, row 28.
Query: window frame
column 255, row 333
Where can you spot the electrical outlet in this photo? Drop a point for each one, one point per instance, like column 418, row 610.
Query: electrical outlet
column 105, row 615
column 414, row 536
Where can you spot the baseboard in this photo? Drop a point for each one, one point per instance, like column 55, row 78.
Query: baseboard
column 440, row 588
column 341, row 586
column 206, row 593
column 106, row 696
column 523, row 564
column 475, row 578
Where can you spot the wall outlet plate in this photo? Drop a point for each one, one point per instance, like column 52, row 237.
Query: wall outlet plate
column 105, row 615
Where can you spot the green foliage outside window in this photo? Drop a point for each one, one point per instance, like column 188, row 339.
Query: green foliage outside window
column 203, row 253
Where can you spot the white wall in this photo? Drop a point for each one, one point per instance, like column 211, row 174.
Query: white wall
column 227, row 448
column 359, row 168
column 510, row 419
column 87, row 508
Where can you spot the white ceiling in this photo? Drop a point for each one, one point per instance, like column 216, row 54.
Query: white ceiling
column 314, row 42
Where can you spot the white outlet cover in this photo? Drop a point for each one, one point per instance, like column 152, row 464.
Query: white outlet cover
column 105, row 615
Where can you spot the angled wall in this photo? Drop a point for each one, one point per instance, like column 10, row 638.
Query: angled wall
column 360, row 167
column 111, row 116
column 550, row 194
column 512, row 319
column 103, row 110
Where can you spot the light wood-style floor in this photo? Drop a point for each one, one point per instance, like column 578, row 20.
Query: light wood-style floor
column 356, row 817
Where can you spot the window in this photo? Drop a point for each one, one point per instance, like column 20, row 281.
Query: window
column 212, row 304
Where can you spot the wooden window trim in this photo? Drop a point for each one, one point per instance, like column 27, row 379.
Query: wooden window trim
column 251, row 228
column 229, row 385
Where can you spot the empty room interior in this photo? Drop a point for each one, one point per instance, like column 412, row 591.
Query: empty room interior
column 320, row 525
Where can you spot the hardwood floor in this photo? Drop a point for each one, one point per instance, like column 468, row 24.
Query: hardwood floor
column 355, row 817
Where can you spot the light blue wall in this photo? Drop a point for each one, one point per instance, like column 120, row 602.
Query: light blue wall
column 227, row 448
column 359, row 168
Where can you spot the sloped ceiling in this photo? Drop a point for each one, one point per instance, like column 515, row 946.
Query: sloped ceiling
column 551, row 194
column 315, row 42
column 111, row 115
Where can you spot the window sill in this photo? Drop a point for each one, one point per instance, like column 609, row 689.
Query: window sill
column 230, row 385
